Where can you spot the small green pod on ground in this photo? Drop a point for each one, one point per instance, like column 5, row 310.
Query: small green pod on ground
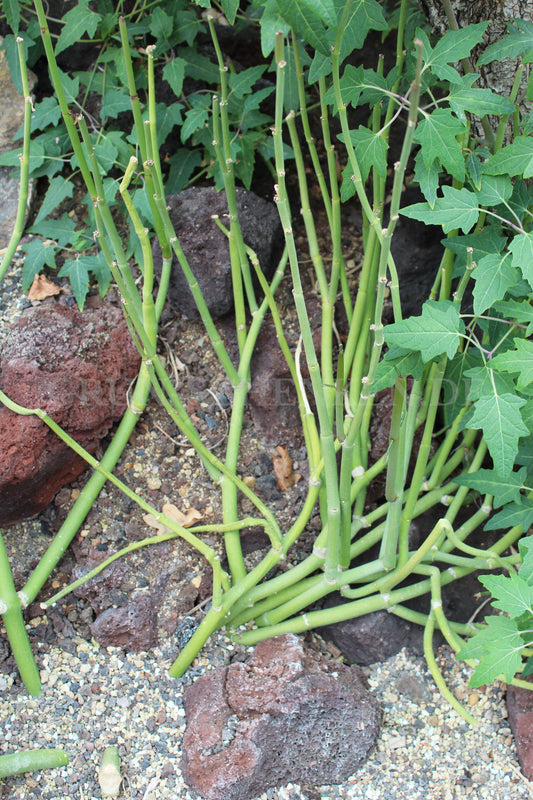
column 109, row 776
column 31, row 760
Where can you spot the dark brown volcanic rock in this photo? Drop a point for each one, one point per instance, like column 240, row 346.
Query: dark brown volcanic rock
column 207, row 248
column 287, row 714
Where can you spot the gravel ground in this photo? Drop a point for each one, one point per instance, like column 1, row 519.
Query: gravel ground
column 98, row 697
column 12, row 301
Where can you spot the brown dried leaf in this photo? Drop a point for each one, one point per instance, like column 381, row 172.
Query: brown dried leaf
column 185, row 520
column 191, row 516
column 153, row 523
column 42, row 288
column 282, row 464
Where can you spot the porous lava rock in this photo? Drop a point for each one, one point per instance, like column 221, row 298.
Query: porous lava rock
column 206, row 247
column 136, row 601
column 132, row 627
column 373, row 637
column 520, row 711
column 286, row 714
column 75, row 366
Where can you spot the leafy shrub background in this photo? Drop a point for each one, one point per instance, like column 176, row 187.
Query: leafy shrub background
column 186, row 76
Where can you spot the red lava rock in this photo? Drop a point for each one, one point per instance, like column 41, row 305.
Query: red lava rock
column 75, row 366
column 207, row 248
column 133, row 626
column 100, row 590
column 520, row 711
column 287, row 714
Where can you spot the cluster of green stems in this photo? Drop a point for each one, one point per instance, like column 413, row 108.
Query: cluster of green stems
column 336, row 437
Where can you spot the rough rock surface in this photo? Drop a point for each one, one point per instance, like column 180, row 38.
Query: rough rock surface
column 140, row 599
column 76, row 367
column 273, row 400
column 286, row 714
column 520, row 710
column 207, row 248
column 374, row 637
column 131, row 627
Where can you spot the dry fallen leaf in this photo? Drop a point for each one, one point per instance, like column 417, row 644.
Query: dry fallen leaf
column 185, row 520
column 153, row 523
column 282, row 463
column 41, row 288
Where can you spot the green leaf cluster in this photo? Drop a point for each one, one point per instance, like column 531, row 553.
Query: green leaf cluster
column 501, row 645
column 184, row 72
column 483, row 201
column 58, row 239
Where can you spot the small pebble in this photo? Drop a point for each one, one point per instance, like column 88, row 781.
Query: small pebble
column 480, row 777
column 413, row 687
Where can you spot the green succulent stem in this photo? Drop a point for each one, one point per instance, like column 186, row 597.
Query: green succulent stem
column 11, row 611
column 24, row 177
column 31, row 761
column 363, row 548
